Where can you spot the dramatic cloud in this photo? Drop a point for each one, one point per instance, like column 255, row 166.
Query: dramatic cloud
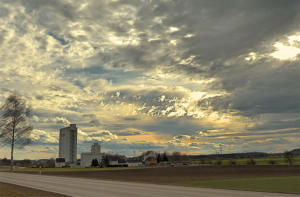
column 163, row 75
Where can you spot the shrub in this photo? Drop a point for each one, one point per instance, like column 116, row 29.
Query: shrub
column 272, row 162
column 232, row 162
column 251, row 162
column 289, row 157
column 219, row 162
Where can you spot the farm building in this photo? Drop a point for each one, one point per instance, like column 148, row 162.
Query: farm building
column 87, row 158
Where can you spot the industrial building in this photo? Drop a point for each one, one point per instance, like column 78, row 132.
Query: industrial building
column 87, row 158
column 68, row 144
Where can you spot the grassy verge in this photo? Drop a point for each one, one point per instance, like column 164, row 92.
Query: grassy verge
column 4, row 168
column 76, row 169
column 9, row 190
column 289, row 184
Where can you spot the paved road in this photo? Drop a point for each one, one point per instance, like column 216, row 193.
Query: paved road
column 88, row 187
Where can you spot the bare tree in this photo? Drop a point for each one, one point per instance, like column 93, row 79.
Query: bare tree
column 289, row 157
column 15, row 128
column 176, row 156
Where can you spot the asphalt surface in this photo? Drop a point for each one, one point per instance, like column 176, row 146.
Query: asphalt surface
column 87, row 187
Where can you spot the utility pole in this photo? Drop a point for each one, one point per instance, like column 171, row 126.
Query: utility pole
column 40, row 170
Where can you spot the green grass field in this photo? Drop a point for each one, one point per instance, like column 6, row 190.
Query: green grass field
column 289, row 184
column 265, row 161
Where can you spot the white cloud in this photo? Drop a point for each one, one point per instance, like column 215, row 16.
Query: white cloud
column 62, row 120
column 104, row 135
column 41, row 136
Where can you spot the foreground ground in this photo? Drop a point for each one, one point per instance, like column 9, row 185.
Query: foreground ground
column 89, row 187
column 284, row 179
column 286, row 184
column 9, row 190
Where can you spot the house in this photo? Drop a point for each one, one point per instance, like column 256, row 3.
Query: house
column 60, row 163
column 150, row 158
column 117, row 161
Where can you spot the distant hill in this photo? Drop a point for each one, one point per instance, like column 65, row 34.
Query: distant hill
column 296, row 151
column 231, row 155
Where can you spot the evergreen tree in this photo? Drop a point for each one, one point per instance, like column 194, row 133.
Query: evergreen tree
column 105, row 161
column 165, row 157
column 95, row 163
column 158, row 158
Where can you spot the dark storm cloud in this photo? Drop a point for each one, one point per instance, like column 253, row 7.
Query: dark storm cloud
column 153, row 101
column 257, row 89
column 257, row 133
column 128, row 133
column 174, row 126
column 143, row 96
column 121, row 44
column 166, row 126
column 221, row 30
column 4, row 12
column 116, row 76
column 43, row 7
column 131, row 118
column 95, row 122
column 274, row 124
column 59, row 39
column 229, row 28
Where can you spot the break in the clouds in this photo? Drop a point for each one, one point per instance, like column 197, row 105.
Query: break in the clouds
column 161, row 75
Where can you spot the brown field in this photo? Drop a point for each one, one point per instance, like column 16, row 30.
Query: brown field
column 167, row 175
column 9, row 190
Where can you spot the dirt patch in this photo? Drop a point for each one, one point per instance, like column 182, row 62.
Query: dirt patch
column 182, row 174
column 10, row 190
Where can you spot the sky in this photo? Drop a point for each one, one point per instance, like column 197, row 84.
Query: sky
column 163, row 75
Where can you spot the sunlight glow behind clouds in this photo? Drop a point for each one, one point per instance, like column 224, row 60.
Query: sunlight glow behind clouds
column 284, row 52
column 173, row 29
column 287, row 52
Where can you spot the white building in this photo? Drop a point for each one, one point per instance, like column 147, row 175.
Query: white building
column 68, row 144
column 135, row 164
column 60, row 162
column 87, row 158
